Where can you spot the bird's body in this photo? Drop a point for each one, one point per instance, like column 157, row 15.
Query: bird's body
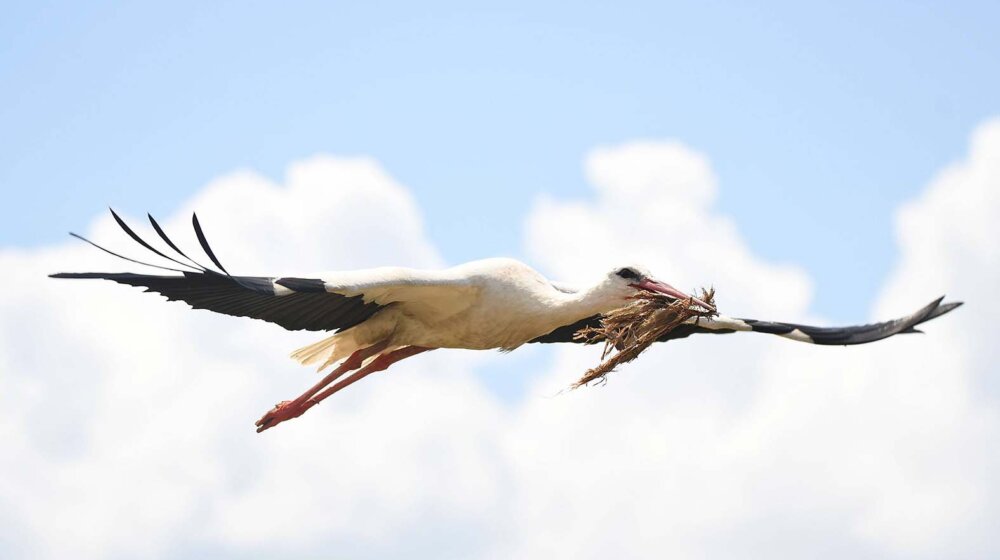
column 383, row 315
column 493, row 303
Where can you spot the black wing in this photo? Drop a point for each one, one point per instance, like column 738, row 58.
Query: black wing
column 306, row 305
column 858, row 334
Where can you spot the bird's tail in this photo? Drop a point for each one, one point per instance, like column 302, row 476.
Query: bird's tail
column 325, row 352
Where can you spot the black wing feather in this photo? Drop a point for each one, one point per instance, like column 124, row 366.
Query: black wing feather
column 110, row 252
column 308, row 306
column 858, row 334
column 204, row 243
column 566, row 333
column 163, row 236
column 311, row 311
column 142, row 241
column 861, row 334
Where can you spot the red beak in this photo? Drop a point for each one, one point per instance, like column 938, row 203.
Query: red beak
column 667, row 289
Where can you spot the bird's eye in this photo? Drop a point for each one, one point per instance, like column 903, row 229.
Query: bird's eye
column 628, row 274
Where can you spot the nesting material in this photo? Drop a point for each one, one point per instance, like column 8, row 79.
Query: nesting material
column 629, row 330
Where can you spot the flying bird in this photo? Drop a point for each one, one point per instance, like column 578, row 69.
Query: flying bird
column 383, row 315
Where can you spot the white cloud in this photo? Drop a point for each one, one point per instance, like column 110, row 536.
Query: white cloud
column 653, row 206
column 128, row 420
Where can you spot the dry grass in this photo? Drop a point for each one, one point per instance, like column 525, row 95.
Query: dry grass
column 633, row 328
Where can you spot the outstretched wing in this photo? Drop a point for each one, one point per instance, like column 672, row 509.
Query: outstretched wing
column 293, row 303
column 858, row 334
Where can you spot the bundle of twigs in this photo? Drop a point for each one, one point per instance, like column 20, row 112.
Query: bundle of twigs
column 632, row 328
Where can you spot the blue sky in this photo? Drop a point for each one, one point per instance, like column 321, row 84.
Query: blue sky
column 819, row 120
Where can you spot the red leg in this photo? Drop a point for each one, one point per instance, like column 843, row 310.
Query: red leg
column 286, row 410
column 378, row 364
column 294, row 409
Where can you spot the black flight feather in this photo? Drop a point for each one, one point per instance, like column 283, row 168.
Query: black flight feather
column 110, row 252
column 308, row 307
column 204, row 243
column 142, row 241
column 163, row 236
column 857, row 334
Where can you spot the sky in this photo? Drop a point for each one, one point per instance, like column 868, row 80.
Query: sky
column 830, row 163
column 819, row 120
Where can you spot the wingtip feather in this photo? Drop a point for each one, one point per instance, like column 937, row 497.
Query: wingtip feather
column 171, row 244
column 204, row 242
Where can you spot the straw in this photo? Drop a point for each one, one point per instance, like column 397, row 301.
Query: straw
column 631, row 329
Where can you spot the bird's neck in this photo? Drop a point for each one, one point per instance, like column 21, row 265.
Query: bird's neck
column 572, row 307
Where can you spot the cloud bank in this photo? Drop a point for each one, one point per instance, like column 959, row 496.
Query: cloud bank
column 128, row 420
column 720, row 447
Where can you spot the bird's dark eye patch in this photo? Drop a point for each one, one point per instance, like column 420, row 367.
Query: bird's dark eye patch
column 628, row 274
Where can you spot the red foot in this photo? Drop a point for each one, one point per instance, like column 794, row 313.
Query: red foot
column 285, row 410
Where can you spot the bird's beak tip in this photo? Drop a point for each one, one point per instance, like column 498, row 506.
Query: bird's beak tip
column 668, row 290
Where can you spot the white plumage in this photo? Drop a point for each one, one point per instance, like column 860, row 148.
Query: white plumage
column 492, row 303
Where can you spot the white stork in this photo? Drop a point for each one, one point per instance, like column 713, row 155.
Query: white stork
column 383, row 315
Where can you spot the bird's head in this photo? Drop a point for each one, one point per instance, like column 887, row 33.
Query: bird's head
column 624, row 282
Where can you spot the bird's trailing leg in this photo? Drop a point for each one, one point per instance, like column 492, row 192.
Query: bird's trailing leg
column 293, row 409
column 378, row 364
column 286, row 410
